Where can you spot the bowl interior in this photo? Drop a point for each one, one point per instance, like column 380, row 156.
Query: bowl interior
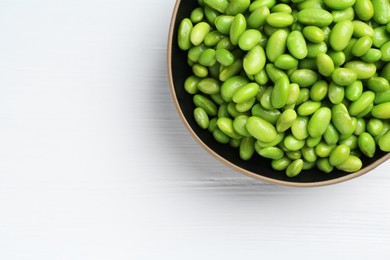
column 257, row 167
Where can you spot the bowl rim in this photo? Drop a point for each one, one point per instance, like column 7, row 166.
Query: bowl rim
column 233, row 166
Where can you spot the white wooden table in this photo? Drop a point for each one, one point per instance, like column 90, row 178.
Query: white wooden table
column 95, row 163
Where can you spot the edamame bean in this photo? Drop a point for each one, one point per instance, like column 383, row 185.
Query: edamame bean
column 292, row 143
column 230, row 71
column 276, row 44
column 354, row 90
column 380, row 36
column 219, row 5
column 386, row 72
column 199, row 32
column 254, row 61
column 385, row 50
column 224, row 57
column 324, row 165
column 223, row 110
column 184, row 34
column 361, row 103
column 230, row 86
column 235, row 142
column 343, row 14
column 246, row 92
column 293, row 94
column 294, row 168
column 364, row 9
column 309, row 154
column 296, row 45
column 225, row 124
column 261, row 129
column 220, row 136
column 249, row 39
column 381, row 11
column 212, row 38
column 314, row 4
column 274, row 73
column 201, row 117
column 319, row 122
column 303, row 96
column 274, row 153
column 381, row 111
column 239, row 125
column 197, row 15
column 207, row 58
column 344, row 76
column 341, row 35
column 313, row 142
column 336, row 93
column 313, row 34
column 319, row 90
column 259, row 3
column 285, row 120
column 378, row 84
column 360, row 126
column 361, row 46
column 280, row 92
column 367, row 144
column 308, row 108
column 361, row 29
column 223, row 23
column 323, row 149
column 237, row 6
column 314, row 49
column 280, row 164
column 372, row 55
column 279, row 138
column 247, row 148
column 265, row 100
column 246, row 105
column 338, row 58
column 257, row 18
column 299, row 127
column 375, row 126
column 339, row 154
column 280, row 19
column 237, row 28
column 304, row 77
column 286, row 61
column 270, row 115
column 351, row 164
column 316, row 17
column 331, row 135
column 325, row 64
column 191, row 84
column 384, row 142
column 342, row 120
column 363, row 70
column 209, row 86
column 339, row 4
column 200, row 70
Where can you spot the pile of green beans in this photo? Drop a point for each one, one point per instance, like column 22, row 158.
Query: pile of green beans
column 304, row 83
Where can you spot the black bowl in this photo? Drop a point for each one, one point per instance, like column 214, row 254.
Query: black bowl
column 257, row 167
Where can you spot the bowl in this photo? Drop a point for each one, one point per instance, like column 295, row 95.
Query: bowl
column 257, row 167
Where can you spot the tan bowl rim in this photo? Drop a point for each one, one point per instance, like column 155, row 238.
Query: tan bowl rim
column 228, row 163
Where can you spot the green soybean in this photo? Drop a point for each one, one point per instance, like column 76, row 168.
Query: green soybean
column 304, row 77
column 247, row 148
column 246, row 92
column 237, row 28
column 274, row 153
column 223, row 23
column 384, row 142
column 308, row 108
column 286, row 120
column 254, row 61
column 336, row 93
column 199, row 32
column 361, row 29
column 339, row 4
column 224, row 57
column 381, row 111
column 286, row 61
column 230, row 71
column 362, row 46
column 341, row 119
column 372, row 55
column 280, row 92
column 319, row 122
column 338, row 58
column 343, row 14
column 323, row 149
column 324, row 165
column 367, row 144
column 378, row 84
column 375, row 126
column 280, row 19
column 270, row 115
column 341, row 35
column 313, row 34
column 184, row 34
column 316, row 17
column 339, row 154
column 385, row 50
column 363, row 70
column 296, row 45
column 249, row 39
column 380, row 36
column 257, row 18
column 209, row 86
column 319, row 90
column 381, row 11
column 331, row 135
column 294, row 168
column 314, row 49
column 344, row 76
column 351, row 164
column 237, row 6
column 201, row 117
column 280, row 164
column 261, row 129
column 364, row 9
column 225, row 124
column 361, row 103
column 276, row 44
column 230, row 86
